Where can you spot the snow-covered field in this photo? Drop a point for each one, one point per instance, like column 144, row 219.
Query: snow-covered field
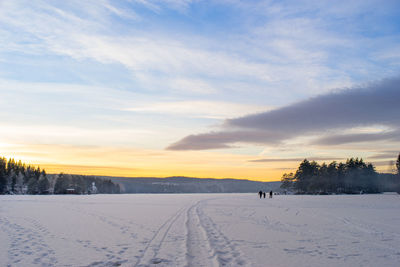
column 199, row 230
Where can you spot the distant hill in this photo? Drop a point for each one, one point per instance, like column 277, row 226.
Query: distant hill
column 191, row 185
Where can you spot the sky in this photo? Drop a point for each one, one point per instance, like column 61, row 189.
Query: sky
column 240, row 89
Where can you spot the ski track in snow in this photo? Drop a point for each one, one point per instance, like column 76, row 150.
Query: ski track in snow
column 205, row 245
column 150, row 252
column 198, row 249
column 199, row 230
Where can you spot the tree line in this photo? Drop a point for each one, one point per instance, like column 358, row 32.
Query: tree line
column 353, row 176
column 19, row 178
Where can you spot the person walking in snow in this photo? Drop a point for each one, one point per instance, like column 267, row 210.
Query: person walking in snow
column 264, row 194
column 260, row 194
column 270, row 194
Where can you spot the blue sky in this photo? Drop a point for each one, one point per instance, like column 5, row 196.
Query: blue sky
column 144, row 75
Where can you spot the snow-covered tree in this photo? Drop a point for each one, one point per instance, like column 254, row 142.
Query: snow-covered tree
column 19, row 184
column 3, row 172
column 43, row 185
column 11, row 178
column 32, row 186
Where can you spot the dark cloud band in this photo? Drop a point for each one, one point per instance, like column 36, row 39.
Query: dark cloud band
column 370, row 105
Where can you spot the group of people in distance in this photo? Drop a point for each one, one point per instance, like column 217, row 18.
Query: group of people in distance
column 262, row 194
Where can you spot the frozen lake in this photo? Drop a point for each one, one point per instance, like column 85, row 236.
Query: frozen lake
column 199, row 230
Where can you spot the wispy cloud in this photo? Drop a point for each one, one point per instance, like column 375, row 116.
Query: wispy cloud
column 262, row 54
column 294, row 159
column 83, row 34
column 385, row 155
column 158, row 5
column 339, row 139
column 198, row 109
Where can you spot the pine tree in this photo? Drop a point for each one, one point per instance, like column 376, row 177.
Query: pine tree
column 62, row 184
column 52, row 182
column 13, row 178
column 398, row 174
column 32, row 186
column 3, row 173
column 19, row 185
column 287, row 181
column 332, row 177
column 43, row 185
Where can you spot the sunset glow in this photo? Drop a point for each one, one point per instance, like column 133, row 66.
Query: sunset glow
column 226, row 89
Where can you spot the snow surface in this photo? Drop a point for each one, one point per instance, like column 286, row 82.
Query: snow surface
column 199, row 230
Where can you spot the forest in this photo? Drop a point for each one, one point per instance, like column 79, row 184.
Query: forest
column 19, row 178
column 353, row 177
